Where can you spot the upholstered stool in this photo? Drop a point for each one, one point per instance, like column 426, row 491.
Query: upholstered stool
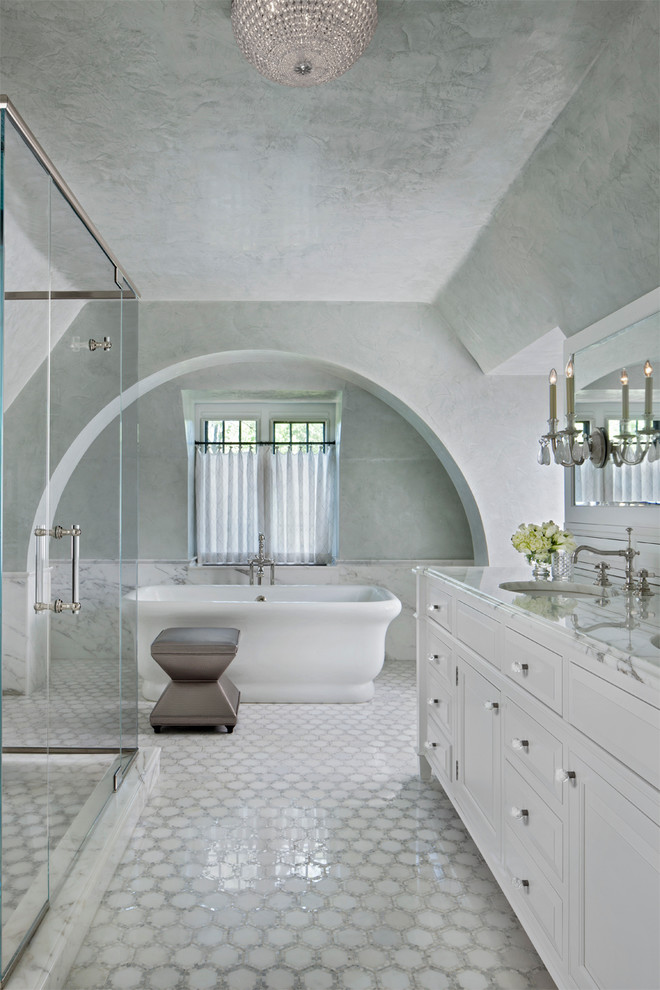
column 200, row 693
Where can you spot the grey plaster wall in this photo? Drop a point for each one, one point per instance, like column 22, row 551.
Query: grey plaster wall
column 576, row 236
column 483, row 428
column 396, row 500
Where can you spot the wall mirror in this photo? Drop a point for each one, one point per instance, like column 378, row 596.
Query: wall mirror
column 627, row 339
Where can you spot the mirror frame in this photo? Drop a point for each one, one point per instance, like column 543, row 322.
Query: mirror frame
column 611, row 520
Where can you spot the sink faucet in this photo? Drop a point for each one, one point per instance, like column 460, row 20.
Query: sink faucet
column 628, row 553
column 261, row 561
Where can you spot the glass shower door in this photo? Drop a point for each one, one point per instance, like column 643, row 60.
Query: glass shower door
column 69, row 700
column 85, row 499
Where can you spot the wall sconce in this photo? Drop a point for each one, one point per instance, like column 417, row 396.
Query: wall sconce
column 571, row 447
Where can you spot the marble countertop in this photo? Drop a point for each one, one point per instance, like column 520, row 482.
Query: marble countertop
column 623, row 631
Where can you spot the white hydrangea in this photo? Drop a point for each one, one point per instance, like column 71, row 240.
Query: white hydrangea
column 539, row 542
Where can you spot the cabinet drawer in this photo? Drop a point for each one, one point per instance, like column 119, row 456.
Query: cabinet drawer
column 531, row 893
column 531, row 746
column 478, row 630
column 623, row 725
column 533, row 667
column 439, row 656
column 438, row 751
column 437, row 604
column 439, row 702
column 540, row 830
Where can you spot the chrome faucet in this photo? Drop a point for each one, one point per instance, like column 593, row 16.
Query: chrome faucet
column 628, row 553
column 261, row 561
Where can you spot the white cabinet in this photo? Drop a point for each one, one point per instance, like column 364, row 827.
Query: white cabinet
column 615, row 892
column 553, row 763
column 478, row 752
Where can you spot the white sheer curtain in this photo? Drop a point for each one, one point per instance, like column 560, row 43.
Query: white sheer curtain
column 613, row 484
column 300, row 506
column 291, row 497
column 227, row 506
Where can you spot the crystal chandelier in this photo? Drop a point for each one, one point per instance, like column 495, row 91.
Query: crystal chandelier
column 303, row 42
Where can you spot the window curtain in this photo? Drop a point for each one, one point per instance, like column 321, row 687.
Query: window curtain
column 300, row 506
column 226, row 506
column 612, row 484
column 291, row 497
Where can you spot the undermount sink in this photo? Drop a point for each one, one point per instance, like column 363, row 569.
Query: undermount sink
column 564, row 588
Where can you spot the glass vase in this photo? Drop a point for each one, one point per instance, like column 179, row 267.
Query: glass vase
column 540, row 571
column 561, row 565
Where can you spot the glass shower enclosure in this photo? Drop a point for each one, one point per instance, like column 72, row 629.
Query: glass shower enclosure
column 68, row 443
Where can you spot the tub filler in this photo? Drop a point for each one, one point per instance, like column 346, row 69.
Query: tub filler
column 303, row 643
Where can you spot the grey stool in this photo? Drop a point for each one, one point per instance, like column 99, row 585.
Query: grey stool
column 200, row 693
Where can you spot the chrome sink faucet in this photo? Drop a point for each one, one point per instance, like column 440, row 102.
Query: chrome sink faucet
column 628, row 553
column 261, row 561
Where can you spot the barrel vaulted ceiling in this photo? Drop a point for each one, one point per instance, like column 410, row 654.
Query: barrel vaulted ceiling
column 460, row 159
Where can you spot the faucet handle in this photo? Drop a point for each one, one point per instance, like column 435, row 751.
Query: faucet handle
column 644, row 588
column 602, row 580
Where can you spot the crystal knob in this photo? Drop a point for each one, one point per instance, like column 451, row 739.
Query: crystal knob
column 519, row 883
column 434, row 701
column 520, row 743
column 430, row 745
column 519, row 813
column 434, row 608
column 561, row 775
column 434, row 657
column 519, row 668
column 491, row 706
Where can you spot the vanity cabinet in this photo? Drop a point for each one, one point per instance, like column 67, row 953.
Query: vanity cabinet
column 478, row 751
column 552, row 759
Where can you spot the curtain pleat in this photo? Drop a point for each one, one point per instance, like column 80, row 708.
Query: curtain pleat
column 612, row 484
column 227, row 506
column 289, row 496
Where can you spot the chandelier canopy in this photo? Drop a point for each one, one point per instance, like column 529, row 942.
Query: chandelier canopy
column 303, row 42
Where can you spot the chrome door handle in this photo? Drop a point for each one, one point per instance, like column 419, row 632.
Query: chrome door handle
column 57, row 533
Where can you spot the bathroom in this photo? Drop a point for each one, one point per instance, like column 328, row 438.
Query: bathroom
column 306, row 243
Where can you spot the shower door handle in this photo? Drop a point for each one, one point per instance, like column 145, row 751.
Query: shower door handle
column 58, row 532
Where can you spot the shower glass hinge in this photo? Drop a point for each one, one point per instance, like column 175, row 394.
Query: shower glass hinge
column 99, row 345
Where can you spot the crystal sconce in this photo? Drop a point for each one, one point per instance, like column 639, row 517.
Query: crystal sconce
column 571, row 446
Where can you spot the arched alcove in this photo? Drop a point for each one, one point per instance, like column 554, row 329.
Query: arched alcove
column 180, row 371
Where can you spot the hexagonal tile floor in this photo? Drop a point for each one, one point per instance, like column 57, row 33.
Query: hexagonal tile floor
column 302, row 852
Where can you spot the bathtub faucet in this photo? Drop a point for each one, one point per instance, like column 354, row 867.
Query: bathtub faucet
column 261, row 561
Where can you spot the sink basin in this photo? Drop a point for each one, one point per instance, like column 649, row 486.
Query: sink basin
column 564, row 588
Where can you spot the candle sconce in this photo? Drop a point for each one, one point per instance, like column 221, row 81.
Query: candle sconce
column 635, row 441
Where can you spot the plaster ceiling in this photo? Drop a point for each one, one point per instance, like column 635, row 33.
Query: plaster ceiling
column 211, row 183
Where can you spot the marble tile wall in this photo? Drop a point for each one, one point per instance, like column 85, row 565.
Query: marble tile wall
column 23, row 634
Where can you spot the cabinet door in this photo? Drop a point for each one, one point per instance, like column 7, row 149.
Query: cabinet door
column 614, row 885
column 479, row 752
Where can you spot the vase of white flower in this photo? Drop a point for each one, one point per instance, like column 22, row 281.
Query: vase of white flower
column 539, row 543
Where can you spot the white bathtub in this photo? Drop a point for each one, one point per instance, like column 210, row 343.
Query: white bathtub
column 305, row 643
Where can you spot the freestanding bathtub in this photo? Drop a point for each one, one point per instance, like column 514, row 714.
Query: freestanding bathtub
column 304, row 643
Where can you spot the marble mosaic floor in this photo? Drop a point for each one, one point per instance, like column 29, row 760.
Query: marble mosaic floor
column 302, row 852
column 41, row 797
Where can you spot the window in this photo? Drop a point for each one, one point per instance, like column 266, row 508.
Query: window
column 299, row 436
column 269, row 468
column 230, row 434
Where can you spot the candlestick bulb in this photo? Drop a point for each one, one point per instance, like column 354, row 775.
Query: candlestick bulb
column 624, row 377
column 648, row 369
column 552, row 377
